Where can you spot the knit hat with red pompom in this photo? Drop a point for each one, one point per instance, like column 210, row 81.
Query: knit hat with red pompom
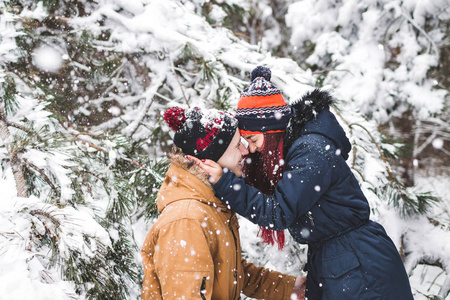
column 261, row 107
column 203, row 133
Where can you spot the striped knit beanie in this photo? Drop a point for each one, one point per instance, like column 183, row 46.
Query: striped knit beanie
column 261, row 107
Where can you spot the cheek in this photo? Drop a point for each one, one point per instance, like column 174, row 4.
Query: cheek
column 237, row 158
column 232, row 159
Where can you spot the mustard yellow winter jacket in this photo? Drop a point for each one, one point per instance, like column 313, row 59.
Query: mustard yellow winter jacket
column 193, row 250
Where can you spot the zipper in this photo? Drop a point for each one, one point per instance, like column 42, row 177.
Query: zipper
column 311, row 218
column 203, row 289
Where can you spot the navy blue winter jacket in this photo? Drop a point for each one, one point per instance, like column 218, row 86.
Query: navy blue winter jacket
column 320, row 202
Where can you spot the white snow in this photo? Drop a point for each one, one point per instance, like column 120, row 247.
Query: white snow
column 351, row 43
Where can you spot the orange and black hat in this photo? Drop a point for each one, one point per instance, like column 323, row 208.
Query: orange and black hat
column 261, row 107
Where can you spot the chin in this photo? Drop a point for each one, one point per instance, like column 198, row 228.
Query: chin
column 238, row 171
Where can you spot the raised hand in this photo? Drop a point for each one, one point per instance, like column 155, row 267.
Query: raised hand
column 213, row 169
column 300, row 287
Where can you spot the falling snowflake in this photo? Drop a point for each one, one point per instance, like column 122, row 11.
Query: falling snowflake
column 48, row 59
column 438, row 143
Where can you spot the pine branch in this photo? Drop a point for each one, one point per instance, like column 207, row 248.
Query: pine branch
column 416, row 203
column 391, row 177
column 46, row 215
column 25, row 129
column 428, row 141
column 133, row 162
column 91, row 145
column 179, row 83
column 332, row 70
column 421, row 30
column 46, row 179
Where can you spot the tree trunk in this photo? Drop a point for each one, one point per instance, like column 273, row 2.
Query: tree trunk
column 16, row 165
column 405, row 126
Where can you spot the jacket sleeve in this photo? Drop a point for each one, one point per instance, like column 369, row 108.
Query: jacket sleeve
column 261, row 283
column 306, row 177
column 183, row 261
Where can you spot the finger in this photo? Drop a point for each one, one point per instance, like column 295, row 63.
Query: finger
column 206, row 168
column 209, row 162
column 194, row 159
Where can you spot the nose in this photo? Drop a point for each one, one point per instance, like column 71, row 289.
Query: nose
column 251, row 148
column 244, row 150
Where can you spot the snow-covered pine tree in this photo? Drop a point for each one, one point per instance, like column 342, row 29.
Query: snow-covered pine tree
column 360, row 49
column 115, row 67
column 68, row 231
column 381, row 55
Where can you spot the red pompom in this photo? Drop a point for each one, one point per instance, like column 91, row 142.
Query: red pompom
column 175, row 117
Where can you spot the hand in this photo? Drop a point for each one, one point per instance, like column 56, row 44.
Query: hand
column 300, row 287
column 213, row 169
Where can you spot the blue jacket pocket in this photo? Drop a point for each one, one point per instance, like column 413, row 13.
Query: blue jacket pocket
column 337, row 266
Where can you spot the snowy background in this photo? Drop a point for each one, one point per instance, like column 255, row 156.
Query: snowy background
column 83, row 86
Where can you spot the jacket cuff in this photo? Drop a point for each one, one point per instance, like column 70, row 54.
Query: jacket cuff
column 290, row 286
column 221, row 183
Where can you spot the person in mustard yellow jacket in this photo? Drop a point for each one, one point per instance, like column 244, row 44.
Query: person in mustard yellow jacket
column 193, row 250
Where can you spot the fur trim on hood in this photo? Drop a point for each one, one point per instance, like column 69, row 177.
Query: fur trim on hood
column 305, row 109
column 178, row 158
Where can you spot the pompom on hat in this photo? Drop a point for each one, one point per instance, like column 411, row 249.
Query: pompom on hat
column 204, row 133
column 261, row 107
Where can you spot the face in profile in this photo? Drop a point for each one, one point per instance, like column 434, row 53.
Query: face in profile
column 255, row 142
column 234, row 155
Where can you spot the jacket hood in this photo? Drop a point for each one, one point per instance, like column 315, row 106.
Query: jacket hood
column 185, row 180
column 312, row 115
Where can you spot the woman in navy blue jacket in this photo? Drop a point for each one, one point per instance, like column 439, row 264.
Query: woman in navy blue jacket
column 302, row 153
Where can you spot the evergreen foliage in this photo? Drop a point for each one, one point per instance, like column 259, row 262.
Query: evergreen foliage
column 85, row 131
